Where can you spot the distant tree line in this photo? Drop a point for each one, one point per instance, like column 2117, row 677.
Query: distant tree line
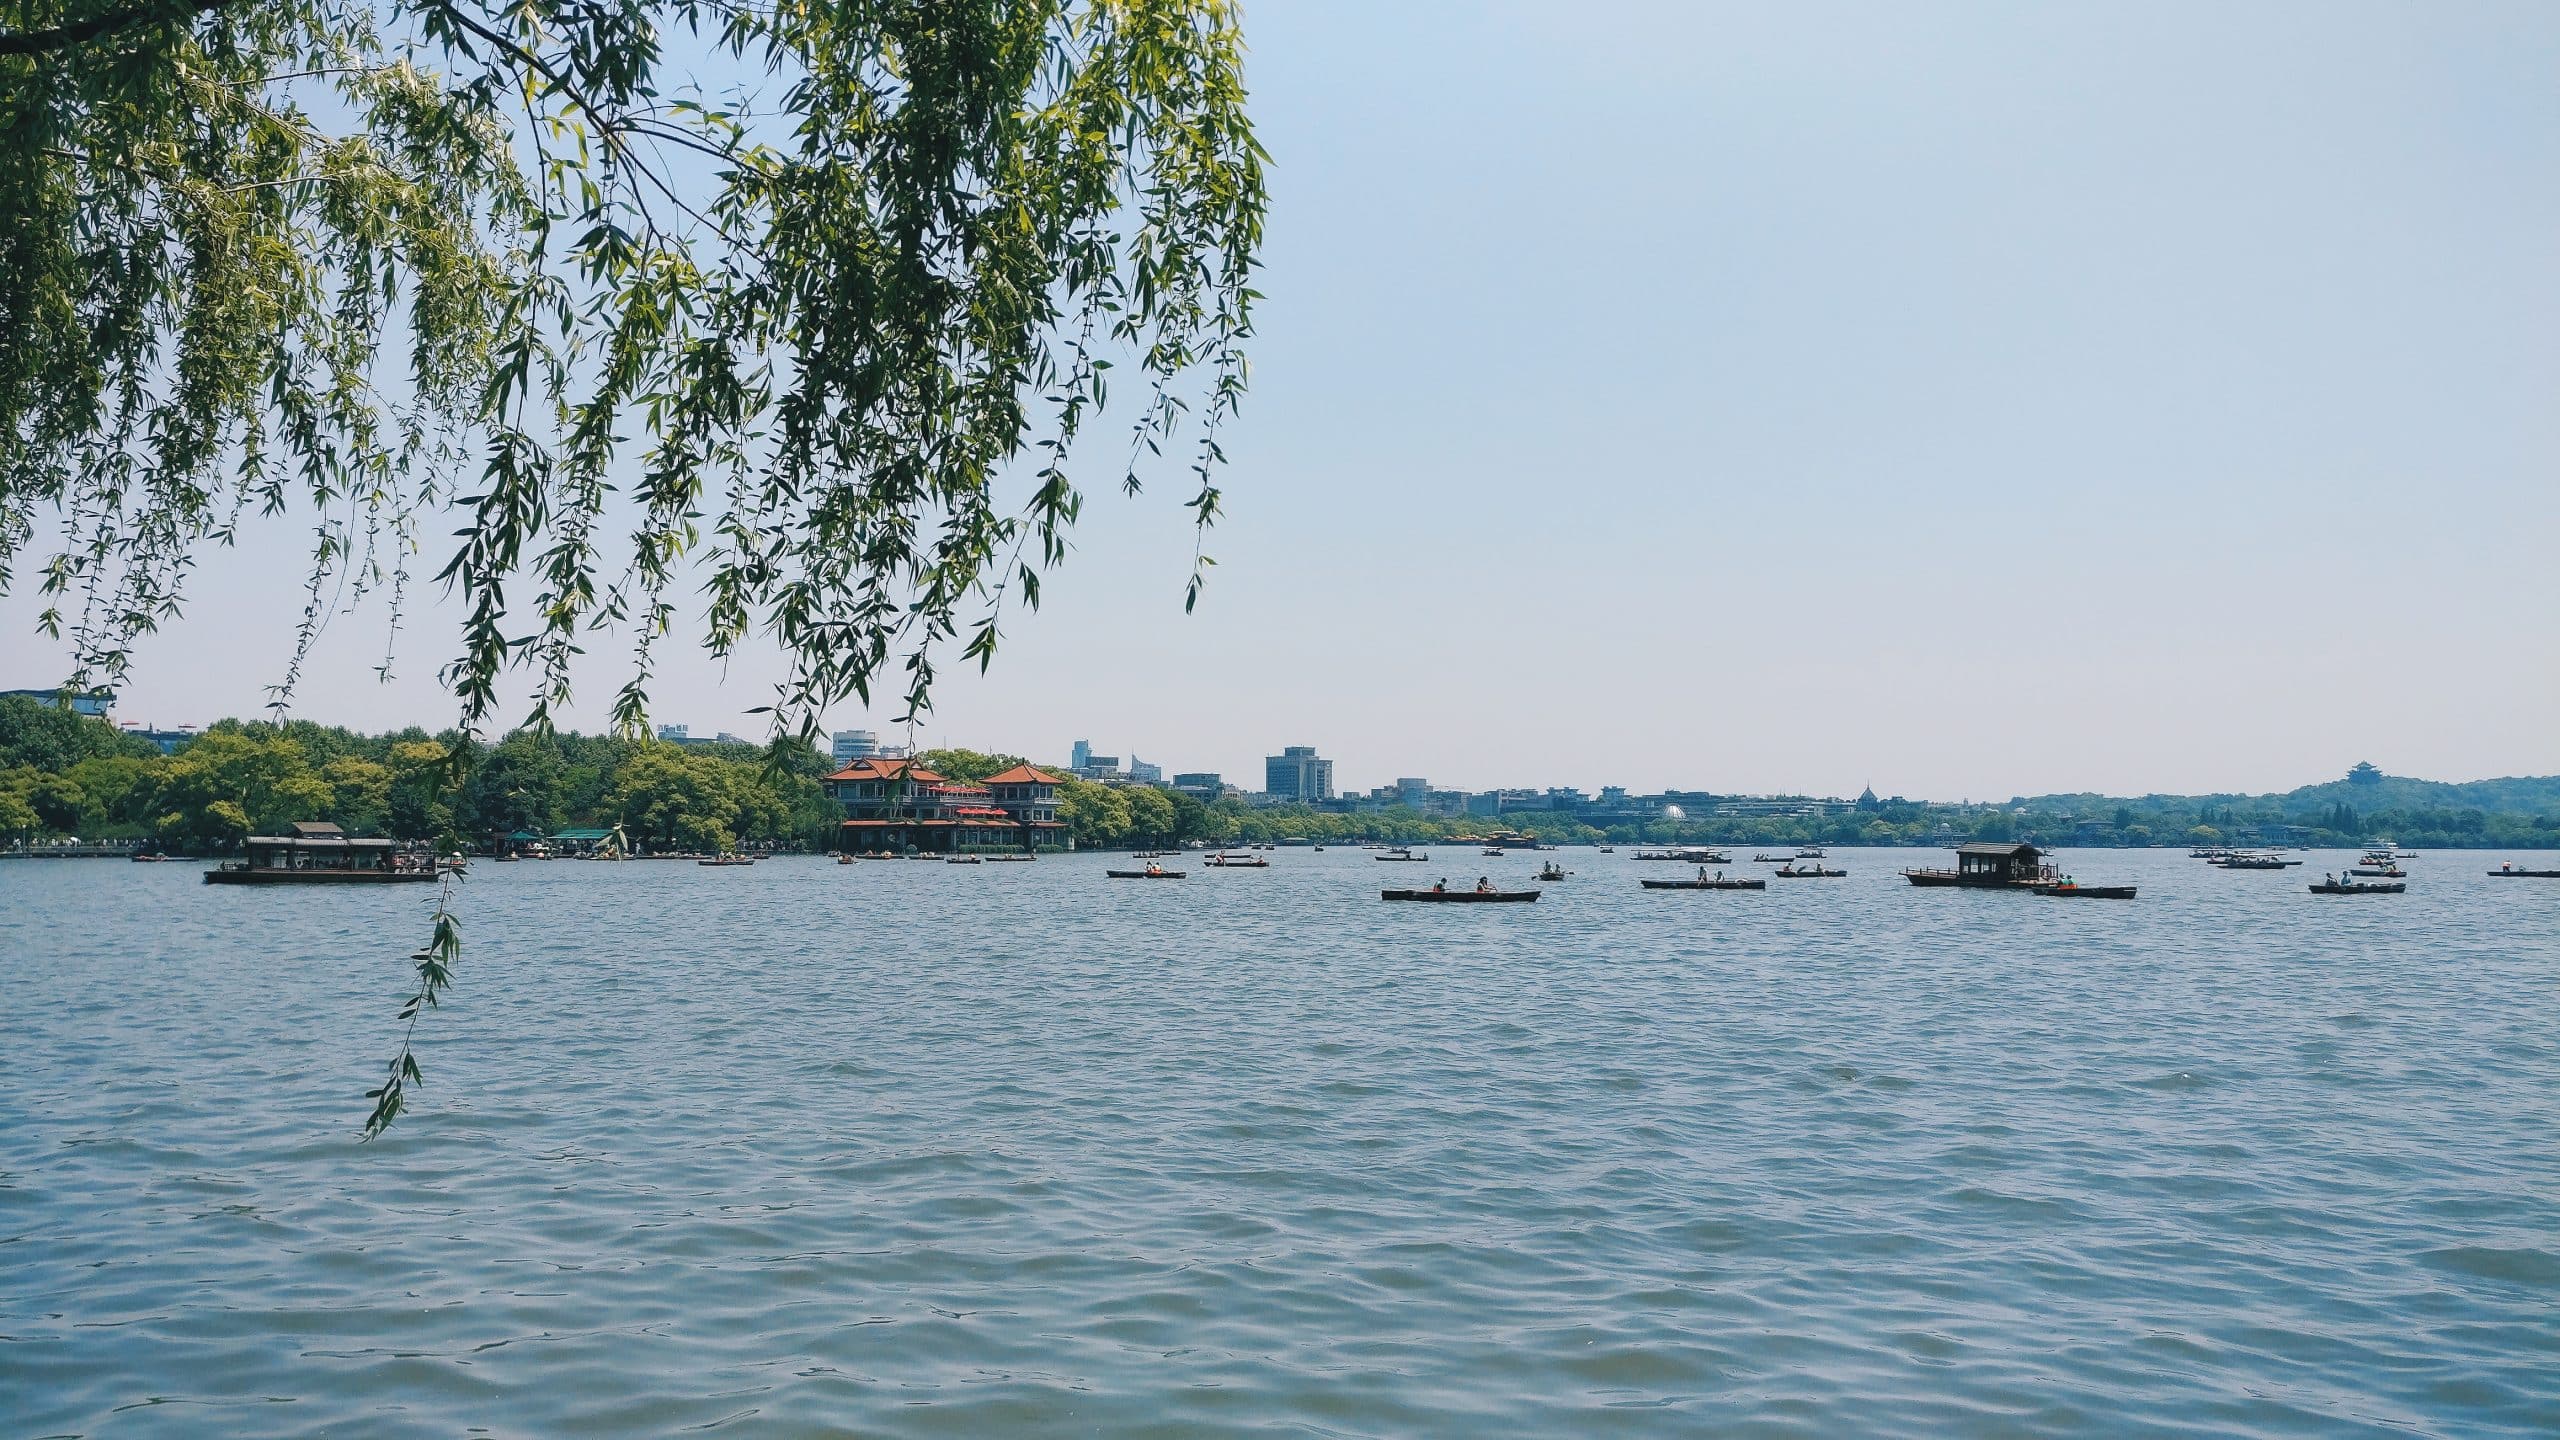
column 64, row 774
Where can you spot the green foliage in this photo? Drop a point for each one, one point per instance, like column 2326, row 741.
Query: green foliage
column 434, row 966
column 53, row 738
column 967, row 767
column 506, row 268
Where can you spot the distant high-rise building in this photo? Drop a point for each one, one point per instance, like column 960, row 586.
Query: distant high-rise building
column 1144, row 773
column 1296, row 773
column 852, row 745
column 1078, row 757
column 674, row 734
column 1412, row 790
column 1204, row 786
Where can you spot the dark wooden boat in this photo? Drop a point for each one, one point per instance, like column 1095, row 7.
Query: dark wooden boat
column 2520, row 872
column 1769, row 859
column 727, row 860
column 2070, row 890
column 1463, row 897
column 2255, row 862
column 1008, row 859
column 844, row 859
column 1552, row 873
column 2379, row 872
column 1793, row 871
column 1235, row 862
column 1414, row 859
column 1144, row 874
column 1704, row 884
column 2359, row 887
column 962, row 860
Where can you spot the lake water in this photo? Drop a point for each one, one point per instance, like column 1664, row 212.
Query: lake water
column 908, row 1149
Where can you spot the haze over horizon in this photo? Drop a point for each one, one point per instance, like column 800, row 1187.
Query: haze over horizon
column 1980, row 402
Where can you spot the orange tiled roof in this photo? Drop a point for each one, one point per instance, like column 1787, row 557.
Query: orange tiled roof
column 874, row 767
column 1023, row 775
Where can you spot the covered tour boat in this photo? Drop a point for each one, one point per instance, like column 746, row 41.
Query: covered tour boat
column 318, row 853
column 1990, row 865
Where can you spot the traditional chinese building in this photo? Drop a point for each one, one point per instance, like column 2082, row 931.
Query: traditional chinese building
column 892, row 803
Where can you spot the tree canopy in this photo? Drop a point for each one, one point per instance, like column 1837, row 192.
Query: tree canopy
column 810, row 301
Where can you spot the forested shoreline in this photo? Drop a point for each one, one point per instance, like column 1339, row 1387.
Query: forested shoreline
column 64, row 775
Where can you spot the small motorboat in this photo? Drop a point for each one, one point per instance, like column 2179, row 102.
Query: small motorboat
column 2358, row 887
column 961, row 860
column 2379, row 872
column 1718, row 883
column 1608, row 849
column 2521, row 872
column 716, row 860
column 1812, row 852
column 2073, row 889
column 1493, row 852
column 1463, row 897
column 1815, row 871
column 1551, row 871
column 1768, row 859
column 1150, row 873
column 145, row 858
column 1008, row 859
column 844, row 859
column 1224, row 861
column 1672, row 855
column 1403, row 855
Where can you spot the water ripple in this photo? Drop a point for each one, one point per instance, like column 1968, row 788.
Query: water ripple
column 909, row 1150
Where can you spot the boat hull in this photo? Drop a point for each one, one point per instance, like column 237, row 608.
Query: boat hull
column 2088, row 892
column 2385, row 888
column 1704, row 884
column 1144, row 874
column 318, row 877
column 2523, row 874
column 1462, row 897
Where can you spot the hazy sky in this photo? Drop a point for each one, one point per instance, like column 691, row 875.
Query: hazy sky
column 1970, row 400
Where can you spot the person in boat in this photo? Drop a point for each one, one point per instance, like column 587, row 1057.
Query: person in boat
column 1484, row 885
column 1440, row 886
column 2328, row 879
column 1154, row 869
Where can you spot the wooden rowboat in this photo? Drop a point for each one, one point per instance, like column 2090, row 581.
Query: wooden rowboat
column 1704, row 884
column 2360, row 887
column 1463, row 897
column 1144, row 874
column 2087, row 892
column 2519, row 870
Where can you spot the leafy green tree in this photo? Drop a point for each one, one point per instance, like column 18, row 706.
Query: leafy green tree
column 231, row 784
column 515, row 786
column 967, row 767
column 1150, row 813
column 823, row 286
column 1097, row 816
column 18, row 819
column 359, row 792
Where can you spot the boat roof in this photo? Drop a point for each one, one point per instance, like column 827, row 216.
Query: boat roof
column 1998, row 848
column 319, row 842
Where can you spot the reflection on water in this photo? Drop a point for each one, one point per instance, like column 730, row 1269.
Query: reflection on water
column 910, row 1149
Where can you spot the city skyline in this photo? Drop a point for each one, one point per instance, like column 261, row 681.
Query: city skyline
column 1959, row 402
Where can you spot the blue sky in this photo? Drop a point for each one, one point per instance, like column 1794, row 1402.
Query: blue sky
column 1970, row 400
